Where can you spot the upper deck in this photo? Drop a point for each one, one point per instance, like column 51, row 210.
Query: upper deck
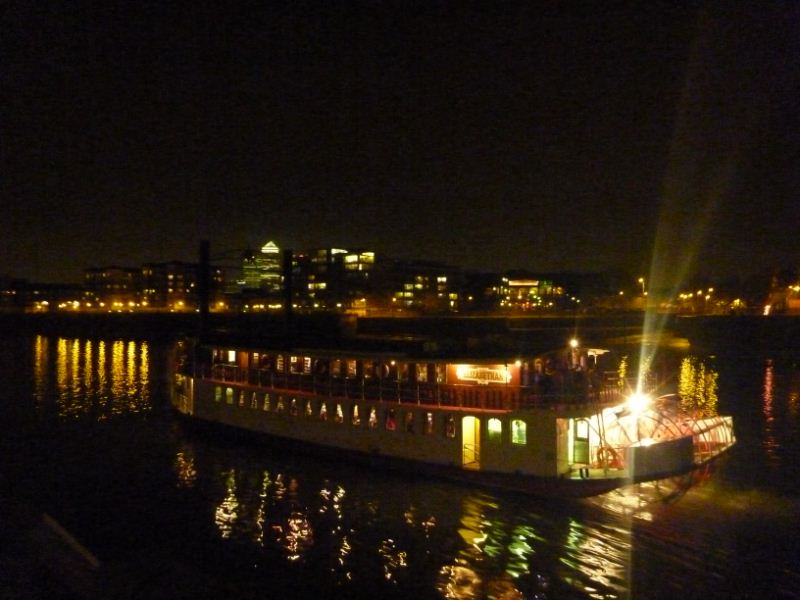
column 567, row 379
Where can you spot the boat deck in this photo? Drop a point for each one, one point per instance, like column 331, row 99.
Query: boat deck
column 597, row 473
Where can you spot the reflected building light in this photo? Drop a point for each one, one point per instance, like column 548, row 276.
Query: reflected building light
column 62, row 377
column 344, row 551
column 102, row 379
column 428, row 525
column 117, row 376
column 393, row 559
column 263, row 494
column 144, row 373
column 130, row 366
column 590, row 552
column 520, row 550
column 226, row 513
column 40, row 366
column 337, row 501
column 88, row 366
column 75, row 364
column 298, row 536
column 794, row 392
column 771, row 444
column 459, row 582
column 184, row 468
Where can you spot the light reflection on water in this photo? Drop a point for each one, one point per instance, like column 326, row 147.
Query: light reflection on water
column 768, row 396
column 88, row 380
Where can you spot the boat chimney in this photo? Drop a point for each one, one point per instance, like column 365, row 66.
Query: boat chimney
column 203, row 276
column 287, row 287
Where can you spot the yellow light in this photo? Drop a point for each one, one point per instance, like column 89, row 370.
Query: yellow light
column 573, row 343
column 647, row 442
column 637, row 402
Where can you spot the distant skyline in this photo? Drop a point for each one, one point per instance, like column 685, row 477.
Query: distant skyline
column 661, row 140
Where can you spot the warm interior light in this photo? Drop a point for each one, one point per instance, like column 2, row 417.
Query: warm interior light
column 573, row 343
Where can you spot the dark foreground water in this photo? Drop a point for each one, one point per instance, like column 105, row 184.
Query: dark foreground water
column 87, row 437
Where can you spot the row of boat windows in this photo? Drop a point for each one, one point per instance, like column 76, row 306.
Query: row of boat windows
column 349, row 368
column 390, row 419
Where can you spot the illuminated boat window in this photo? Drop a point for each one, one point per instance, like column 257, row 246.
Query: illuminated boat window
column 495, row 429
column 450, row 427
column 422, row 373
column 323, row 411
column 306, row 365
column 267, row 402
column 280, row 407
column 391, row 423
column 229, row 395
column 409, row 422
column 218, row 394
column 356, row 417
column 254, row 400
column 293, row 407
column 241, row 398
column 428, row 423
column 373, row 418
column 519, row 432
column 309, row 412
column 279, row 363
column 351, row 368
column 339, row 413
column 231, row 356
column 336, row 368
column 320, row 368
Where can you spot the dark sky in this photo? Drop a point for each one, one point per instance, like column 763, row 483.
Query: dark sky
column 560, row 135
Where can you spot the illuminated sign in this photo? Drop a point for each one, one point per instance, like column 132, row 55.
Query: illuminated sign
column 483, row 374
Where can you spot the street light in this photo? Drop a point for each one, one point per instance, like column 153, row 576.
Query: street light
column 641, row 282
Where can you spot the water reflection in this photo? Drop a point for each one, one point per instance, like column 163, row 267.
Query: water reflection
column 503, row 551
column 227, row 512
column 185, row 470
column 768, row 397
column 89, row 383
column 597, row 557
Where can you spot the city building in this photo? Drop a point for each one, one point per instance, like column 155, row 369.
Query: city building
column 263, row 270
column 112, row 287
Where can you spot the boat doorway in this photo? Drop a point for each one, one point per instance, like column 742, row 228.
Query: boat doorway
column 581, row 444
column 471, row 442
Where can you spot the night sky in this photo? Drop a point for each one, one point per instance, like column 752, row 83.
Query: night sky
column 584, row 136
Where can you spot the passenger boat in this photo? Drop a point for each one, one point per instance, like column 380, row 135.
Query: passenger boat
column 558, row 424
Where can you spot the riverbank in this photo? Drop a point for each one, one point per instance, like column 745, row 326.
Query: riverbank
column 730, row 333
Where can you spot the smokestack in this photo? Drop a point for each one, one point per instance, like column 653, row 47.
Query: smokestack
column 287, row 286
column 203, row 277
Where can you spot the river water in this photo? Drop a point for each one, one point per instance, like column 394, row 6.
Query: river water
column 171, row 512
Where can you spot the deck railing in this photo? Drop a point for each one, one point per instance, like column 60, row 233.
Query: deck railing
column 409, row 392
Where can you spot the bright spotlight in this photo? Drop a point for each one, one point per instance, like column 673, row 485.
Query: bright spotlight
column 637, row 402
